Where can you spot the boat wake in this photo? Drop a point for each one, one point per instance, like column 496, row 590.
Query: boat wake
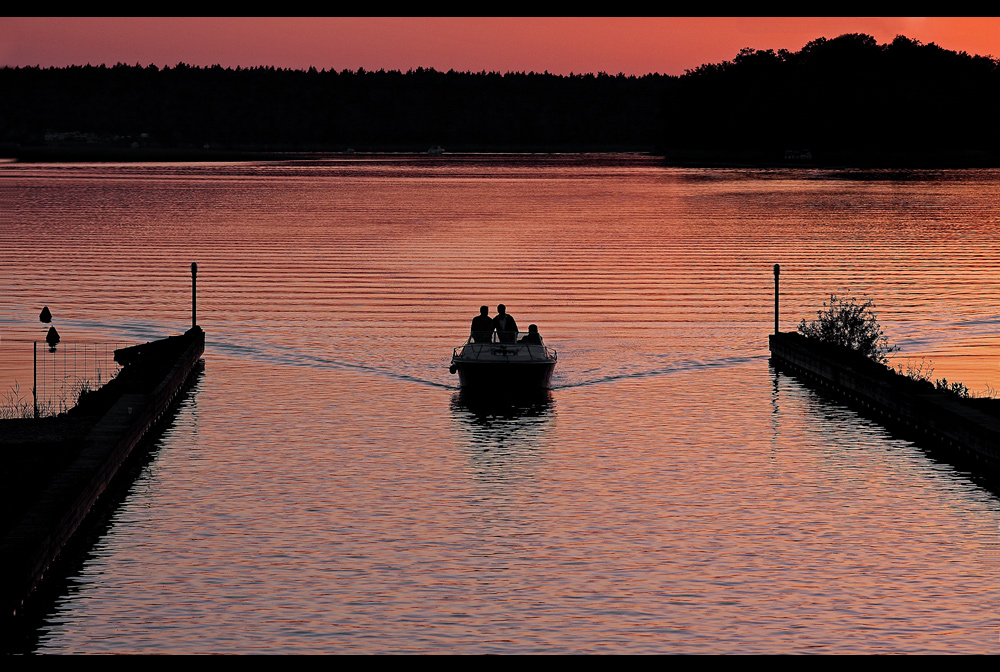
column 279, row 355
column 680, row 366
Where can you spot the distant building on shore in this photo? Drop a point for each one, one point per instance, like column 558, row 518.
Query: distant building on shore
column 798, row 155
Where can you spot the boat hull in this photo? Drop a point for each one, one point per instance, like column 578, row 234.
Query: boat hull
column 505, row 376
column 503, row 367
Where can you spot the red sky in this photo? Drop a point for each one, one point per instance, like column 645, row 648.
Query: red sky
column 559, row 45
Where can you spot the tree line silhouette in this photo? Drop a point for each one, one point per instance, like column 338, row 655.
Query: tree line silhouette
column 834, row 97
column 276, row 108
column 847, row 96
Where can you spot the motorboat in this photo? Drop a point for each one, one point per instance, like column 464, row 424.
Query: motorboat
column 492, row 365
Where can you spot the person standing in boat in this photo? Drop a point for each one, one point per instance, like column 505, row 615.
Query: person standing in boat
column 505, row 325
column 482, row 326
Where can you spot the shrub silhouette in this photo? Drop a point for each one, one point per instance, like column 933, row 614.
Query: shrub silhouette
column 851, row 323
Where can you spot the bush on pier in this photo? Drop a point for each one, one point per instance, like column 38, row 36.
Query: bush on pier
column 851, row 323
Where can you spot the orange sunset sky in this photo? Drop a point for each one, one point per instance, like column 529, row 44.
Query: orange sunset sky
column 560, row 45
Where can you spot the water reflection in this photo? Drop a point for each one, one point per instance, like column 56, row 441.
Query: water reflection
column 829, row 409
column 503, row 423
column 332, row 492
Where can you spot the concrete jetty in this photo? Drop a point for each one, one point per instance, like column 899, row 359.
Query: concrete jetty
column 969, row 428
column 87, row 448
column 966, row 427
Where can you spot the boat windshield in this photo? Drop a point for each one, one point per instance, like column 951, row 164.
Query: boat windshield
column 495, row 337
column 506, row 348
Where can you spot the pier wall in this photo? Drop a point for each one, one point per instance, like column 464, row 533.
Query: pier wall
column 968, row 427
column 35, row 541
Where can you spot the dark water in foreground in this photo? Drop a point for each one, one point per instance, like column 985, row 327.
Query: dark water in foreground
column 326, row 488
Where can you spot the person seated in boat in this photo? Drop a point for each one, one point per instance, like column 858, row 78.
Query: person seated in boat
column 482, row 326
column 505, row 325
column 532, row 337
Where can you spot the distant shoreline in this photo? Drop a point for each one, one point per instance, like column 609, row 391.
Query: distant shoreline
column 103, row 153
column 672, row 158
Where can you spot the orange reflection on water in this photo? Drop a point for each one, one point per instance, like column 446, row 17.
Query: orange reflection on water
column 327, row 489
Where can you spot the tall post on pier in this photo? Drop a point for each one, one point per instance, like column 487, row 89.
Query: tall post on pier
column 194, row 295
column 34, row 380
column 777, row 272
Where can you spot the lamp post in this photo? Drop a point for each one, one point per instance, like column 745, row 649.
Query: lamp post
column 777, row 272
column 194, row 295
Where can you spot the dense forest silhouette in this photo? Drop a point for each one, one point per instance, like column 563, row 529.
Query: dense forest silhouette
column 846, row 97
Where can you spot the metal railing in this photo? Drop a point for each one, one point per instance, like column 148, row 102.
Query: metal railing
column 59, row 376
column 506, row 347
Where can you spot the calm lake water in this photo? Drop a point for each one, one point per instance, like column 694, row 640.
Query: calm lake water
column 325, row 488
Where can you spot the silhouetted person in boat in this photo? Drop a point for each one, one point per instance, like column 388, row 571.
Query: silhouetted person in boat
column 505, row 325
column 532, row 337
column 482, row 326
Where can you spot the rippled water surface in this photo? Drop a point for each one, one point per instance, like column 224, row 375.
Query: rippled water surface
column 325, row 487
